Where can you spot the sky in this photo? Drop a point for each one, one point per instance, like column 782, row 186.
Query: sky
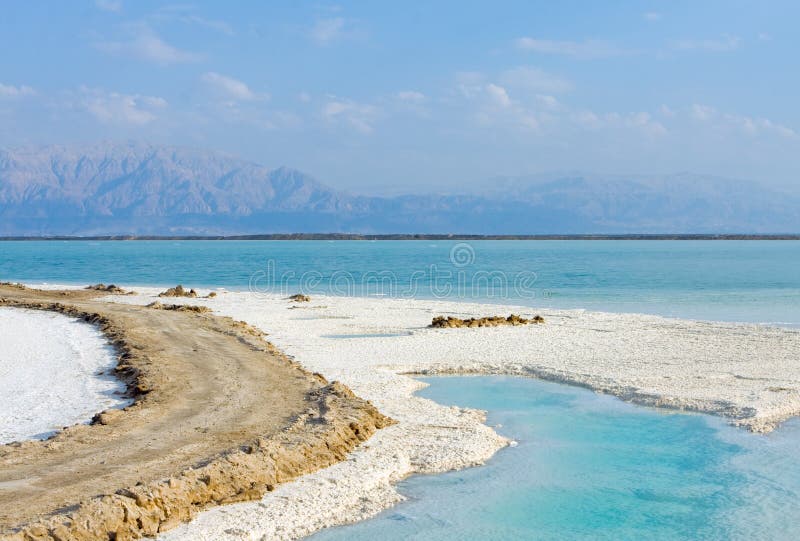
column 393, row 97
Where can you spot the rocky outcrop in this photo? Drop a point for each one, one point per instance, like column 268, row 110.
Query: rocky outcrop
column 441, row 322
column 178, row 291
column 180, row 307
column 111, row 288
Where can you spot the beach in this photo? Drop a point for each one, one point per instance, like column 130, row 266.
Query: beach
column 744, row 372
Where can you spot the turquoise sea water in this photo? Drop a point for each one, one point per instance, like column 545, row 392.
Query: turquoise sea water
column 756, row 281
column 590, row 467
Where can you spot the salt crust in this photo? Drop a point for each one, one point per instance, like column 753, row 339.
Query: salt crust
column 748, row 373
column 55, row 371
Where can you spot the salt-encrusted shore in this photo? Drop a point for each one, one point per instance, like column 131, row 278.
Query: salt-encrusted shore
column 747, row 373
column 54, row 371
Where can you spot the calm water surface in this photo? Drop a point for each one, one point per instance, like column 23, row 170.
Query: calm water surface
column 591, row 467
column 756, row 281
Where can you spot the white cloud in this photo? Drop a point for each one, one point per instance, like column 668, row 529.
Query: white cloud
column 768, row 125
column 749, row 125
column 116, row 108
column 304, row 97
column 11, row 91
column 469, row 84
column 491, row 104
column 586, row 119
column 645, row 123
column 702, row 112
column 547, row 102
column 720, row 45
column 652, row 16
column 640, row 122
column 187, row 14
column 666, row 111
column 358, row 115
column 114, row 6
column 529, row 121
column 578, row 49
column 540, row 112
column 536, row 80
column 147, row 45
column 325, row 31
column 410, row 96
column 211, row 24
column 498, row 95
column 230, row 87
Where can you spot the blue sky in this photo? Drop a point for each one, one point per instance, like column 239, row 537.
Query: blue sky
column 391, row 97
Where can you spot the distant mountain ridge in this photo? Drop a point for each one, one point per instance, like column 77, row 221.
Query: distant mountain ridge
column 135, row 189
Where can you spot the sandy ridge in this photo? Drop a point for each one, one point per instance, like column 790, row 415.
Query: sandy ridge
column 219, row 416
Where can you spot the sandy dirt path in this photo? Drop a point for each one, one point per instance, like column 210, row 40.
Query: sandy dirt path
column 219, row 416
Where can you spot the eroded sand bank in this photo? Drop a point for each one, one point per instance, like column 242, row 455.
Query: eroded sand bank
column 219, row 416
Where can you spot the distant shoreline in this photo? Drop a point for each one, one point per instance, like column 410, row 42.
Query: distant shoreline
column 349, row 236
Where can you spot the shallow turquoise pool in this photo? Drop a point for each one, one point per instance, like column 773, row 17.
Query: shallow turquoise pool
column 591, row 467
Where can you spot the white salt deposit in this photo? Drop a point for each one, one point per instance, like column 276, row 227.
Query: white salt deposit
column 50, row 367
column 749, row 373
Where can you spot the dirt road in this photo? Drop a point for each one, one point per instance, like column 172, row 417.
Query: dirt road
column 219, row 416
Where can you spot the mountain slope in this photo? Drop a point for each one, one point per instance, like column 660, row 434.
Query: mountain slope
column 674, row 203
column 145, row 189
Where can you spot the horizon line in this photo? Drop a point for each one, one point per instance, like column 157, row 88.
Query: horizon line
column 410, row 236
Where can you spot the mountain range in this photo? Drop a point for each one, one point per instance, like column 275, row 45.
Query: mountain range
column 140, row 189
